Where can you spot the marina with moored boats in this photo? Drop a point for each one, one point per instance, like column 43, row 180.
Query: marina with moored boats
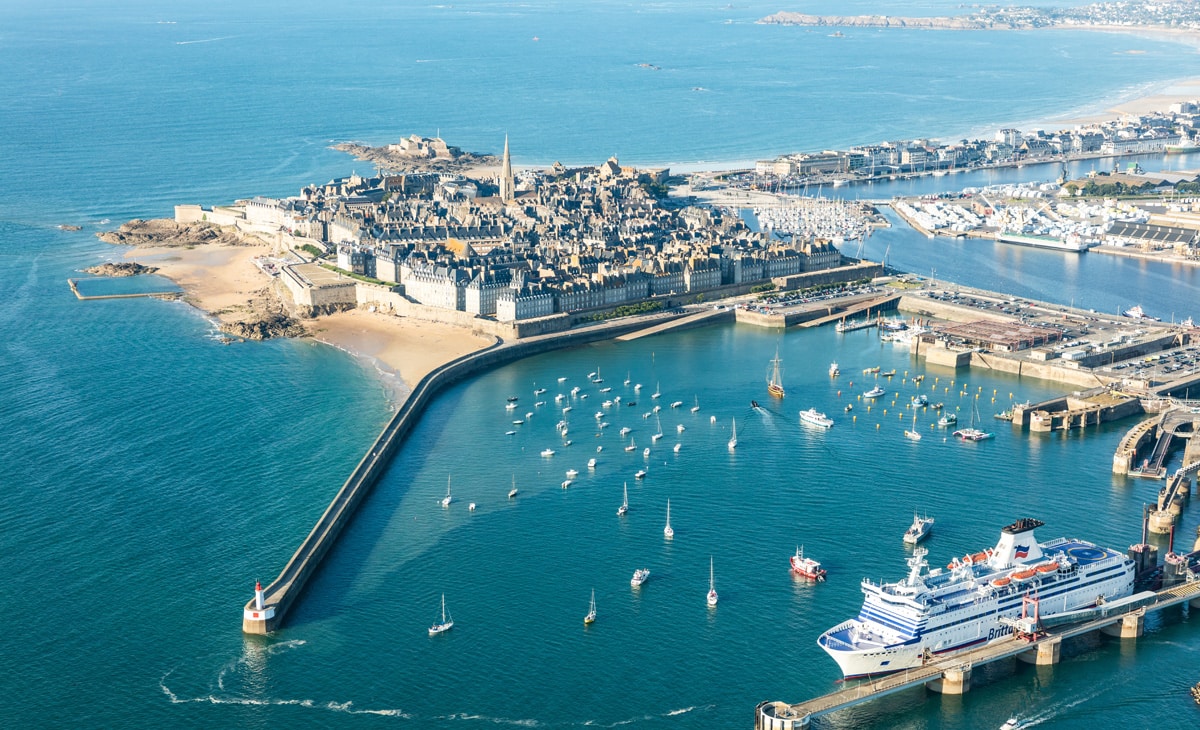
column 906, row 404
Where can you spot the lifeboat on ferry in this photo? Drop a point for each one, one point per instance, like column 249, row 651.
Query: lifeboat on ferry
column 981, row 557
column 1001, row 582
column 1046, row 568
column 1023, row 575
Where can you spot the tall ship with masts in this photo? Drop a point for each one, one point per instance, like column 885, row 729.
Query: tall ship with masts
column 775, row 380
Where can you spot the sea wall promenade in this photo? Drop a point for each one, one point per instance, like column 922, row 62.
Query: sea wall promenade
column 265, row 612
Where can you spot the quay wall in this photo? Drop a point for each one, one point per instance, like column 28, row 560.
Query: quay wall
column 287, row 588
column 927, row 307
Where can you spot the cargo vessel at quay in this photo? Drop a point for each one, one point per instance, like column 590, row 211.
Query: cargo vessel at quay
column 941, row 611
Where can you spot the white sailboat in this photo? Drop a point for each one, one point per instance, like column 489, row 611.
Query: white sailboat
column 912, row 433
column 696, row 408
column 446, row 624
column 513, row 492
column 591, row 614
column 447, row 499
column 667, row 531
column 733, row 438
column 658, row 434
column 657, row 391
column 712, row 589
column 624, row 508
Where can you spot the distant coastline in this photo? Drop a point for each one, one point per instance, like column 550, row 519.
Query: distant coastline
column 961, row 22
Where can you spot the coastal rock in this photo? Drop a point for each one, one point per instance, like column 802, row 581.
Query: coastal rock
column 276, row 324
column 117, row 270
column 168, row 233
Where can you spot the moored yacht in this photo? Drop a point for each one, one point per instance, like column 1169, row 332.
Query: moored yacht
column 639, row 577
column 944, row 611
column 919, row 530
column 874, row 392
column 813, row 417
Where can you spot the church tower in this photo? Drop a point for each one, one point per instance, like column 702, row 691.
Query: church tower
column 506, row 175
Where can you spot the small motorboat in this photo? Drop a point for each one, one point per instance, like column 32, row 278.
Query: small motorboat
column 1011, row 723
column 639, row 577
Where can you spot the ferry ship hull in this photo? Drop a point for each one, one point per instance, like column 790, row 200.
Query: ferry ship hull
column 1058, row 244
column 902, row 625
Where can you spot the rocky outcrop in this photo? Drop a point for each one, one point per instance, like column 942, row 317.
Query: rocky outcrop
column 168, row 233
column 398, row 161
column 120, row 269
column 966, row 22
column 276, row 324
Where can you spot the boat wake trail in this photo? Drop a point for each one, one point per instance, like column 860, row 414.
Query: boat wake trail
column 330, row 706
column 493, row 720
column 203, row 40
column 1055, row 711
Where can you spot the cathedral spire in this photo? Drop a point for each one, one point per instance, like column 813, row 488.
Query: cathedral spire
column 506, row 175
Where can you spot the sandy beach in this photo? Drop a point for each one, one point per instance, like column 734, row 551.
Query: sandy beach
column 217, row 279
column 224, row 282
column 410, row 348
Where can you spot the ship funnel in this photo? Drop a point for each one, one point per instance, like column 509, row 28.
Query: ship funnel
column 1017, row 544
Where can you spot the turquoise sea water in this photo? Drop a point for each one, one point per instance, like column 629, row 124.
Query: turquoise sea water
column 151, row 474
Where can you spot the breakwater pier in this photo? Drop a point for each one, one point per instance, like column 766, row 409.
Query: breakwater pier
column 73, row 283
column 1034, row 641
column 265, row 612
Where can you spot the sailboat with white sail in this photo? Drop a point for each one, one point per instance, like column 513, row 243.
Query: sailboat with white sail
column 624, row 508
column 712, row 588
column 513, row 492
column 446, row 624
column 447, row 499
column 733, row 442
column 668, row 532
column 591, row 614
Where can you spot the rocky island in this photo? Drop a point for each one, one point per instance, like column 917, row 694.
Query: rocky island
column 122, row 269
column 166, row 233
column 418, row 154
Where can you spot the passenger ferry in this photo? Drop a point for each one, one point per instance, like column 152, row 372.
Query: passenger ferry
column 939, row 611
